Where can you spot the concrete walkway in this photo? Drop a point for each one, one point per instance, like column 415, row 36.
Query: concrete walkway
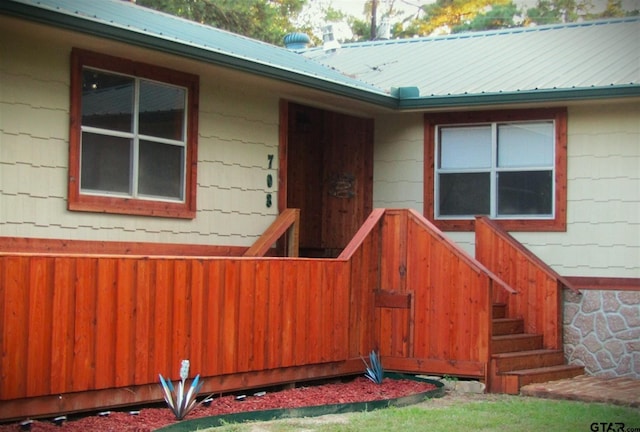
column 618, row 391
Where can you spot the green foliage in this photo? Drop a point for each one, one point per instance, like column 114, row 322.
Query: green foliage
column 265, row 20
column 561, row 11
column 498, row 17
column 448, row 14
column 476, row 15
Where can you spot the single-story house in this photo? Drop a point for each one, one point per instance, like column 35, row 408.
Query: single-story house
column 142, row 155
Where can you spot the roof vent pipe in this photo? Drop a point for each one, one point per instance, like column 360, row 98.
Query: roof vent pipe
column 328, row 38
column 384, row 29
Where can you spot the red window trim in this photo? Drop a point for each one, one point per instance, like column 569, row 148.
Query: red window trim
column 559, row 115
column 131, row 206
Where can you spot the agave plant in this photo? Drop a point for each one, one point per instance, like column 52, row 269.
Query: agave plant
column 375, row 372
column 182, row 401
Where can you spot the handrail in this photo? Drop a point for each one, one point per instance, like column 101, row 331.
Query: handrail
column 544, row 267
column 472, row 262
column 288, row 221
column 363, row 232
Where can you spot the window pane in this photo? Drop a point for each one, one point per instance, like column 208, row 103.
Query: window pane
column 107, row 100
column 161, row 110
column 525, row 145
column 464, row 194
column 106, row 163
column 525, row 193
column 465, row 147
column 161, row 170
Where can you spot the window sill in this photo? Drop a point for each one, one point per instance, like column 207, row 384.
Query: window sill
column 519, row 225
column 128, row 206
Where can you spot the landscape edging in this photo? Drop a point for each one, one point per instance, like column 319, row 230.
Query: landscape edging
column 312, row 411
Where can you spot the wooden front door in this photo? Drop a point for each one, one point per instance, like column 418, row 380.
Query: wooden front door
column 328, row 175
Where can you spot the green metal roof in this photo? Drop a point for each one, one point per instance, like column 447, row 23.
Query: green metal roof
column 126, row 22
column 585, row 60
column 589, row 60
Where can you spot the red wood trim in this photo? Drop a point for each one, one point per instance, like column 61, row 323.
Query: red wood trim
column 391, row 299
column 50, row 246
column 459, row 368
column 497, row 229
column 362, row 234
column 282, row 155
column 559, row 223
column 604, row 283
column 102, row 204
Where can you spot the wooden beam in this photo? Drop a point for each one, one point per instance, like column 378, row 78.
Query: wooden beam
column 391, row 299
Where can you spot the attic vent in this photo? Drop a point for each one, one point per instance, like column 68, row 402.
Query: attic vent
column 329, row 39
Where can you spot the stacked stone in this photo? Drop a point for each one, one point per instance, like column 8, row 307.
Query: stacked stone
column 602, row 332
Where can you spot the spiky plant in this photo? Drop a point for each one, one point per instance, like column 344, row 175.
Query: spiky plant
column 375, row 372
column 181, row 402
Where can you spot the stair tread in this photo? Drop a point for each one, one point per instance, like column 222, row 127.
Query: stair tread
column 515, row 354
column 516, row 336
column 543, row 370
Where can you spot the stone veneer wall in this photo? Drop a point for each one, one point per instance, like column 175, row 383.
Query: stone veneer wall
column 602, row 332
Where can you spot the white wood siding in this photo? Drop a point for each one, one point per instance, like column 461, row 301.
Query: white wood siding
column 398, row 161
column 603, row 211
column 238, row 129
column 603, row 222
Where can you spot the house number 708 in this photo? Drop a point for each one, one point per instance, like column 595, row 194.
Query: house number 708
column 269, row 180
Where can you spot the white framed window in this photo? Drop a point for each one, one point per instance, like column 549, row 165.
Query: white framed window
column 133, row 138
column 510, row 165
column 496, row 169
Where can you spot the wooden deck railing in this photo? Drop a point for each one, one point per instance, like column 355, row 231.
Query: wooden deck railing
column 433, row 304
column 287, row 222
column 85, row 332
column 448, row 326
column 538, row 285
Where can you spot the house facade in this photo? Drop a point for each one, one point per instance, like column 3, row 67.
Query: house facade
column 125, row 131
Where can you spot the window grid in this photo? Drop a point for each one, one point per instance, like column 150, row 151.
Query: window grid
column 136, row 137
column 494, row 171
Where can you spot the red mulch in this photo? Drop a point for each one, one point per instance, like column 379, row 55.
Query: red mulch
column 358, row 390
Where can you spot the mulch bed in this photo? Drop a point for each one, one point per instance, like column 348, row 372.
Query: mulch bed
column 148, row 419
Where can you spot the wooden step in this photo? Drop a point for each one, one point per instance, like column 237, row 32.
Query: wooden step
column 499, row 310
column 505, row 326
column 513, row 381
column 534, row 359
column 516, row 342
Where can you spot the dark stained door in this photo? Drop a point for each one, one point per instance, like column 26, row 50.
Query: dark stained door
column 329, row 176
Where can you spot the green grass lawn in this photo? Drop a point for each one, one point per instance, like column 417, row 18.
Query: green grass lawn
column 517, row 414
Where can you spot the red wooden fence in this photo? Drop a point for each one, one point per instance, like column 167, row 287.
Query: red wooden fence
column 81, row 332
column 445, row 327
column 74, row 324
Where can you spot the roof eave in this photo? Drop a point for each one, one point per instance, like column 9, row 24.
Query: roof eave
column 520, row 97
column 96, row 28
